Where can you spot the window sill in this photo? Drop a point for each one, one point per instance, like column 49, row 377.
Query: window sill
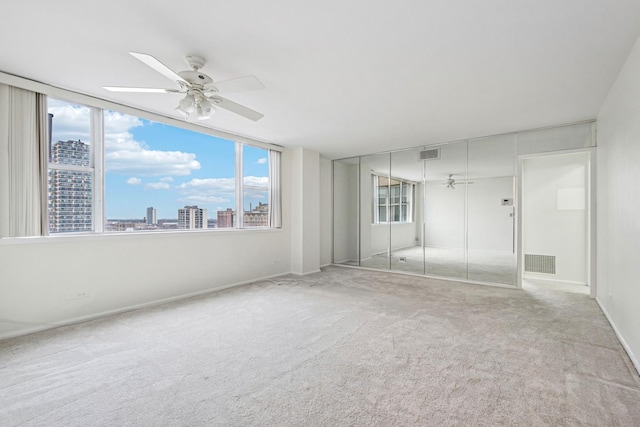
column 69, row 237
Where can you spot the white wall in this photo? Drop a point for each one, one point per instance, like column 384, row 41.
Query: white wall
column 490, row 227
column 444, row 216
column 326, row 215
column 124, row 271
column 403, row 235
column 345, row 238
column 549, row 228
column 305, row 214
column 618, row 290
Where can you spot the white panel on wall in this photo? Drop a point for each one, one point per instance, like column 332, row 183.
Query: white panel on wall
column 571, row 199
column 555, row 139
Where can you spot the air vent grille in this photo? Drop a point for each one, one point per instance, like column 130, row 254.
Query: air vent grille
column 540, row 264
column 430, row 154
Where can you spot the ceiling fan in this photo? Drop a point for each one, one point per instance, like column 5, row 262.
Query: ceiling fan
column 201, row 92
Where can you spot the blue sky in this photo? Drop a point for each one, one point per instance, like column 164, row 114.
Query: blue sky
column 153, row 164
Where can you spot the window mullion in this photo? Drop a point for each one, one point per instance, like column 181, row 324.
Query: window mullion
column 239, row 187
column 97, row 138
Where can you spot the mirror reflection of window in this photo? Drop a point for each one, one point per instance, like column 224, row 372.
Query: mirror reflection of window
column 393, row 198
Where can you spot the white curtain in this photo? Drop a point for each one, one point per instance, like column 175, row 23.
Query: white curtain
column 275, row 207
column 23, row 163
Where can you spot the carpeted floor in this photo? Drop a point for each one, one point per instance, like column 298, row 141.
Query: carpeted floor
column 344, row 347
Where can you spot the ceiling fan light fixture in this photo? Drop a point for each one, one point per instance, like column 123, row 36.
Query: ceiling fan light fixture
column 205, row 109
column 187, row 104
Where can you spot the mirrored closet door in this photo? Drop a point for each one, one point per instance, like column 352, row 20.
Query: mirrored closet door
column 443, row 211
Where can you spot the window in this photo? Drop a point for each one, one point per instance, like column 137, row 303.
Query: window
column 255, row 187
column 393, row 200
column 160, row 177
column 156, row 176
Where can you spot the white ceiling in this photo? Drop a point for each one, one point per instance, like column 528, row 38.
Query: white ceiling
column 342, row 77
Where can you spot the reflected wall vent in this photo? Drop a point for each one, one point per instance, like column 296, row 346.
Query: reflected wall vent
column 540, row 264
column 432, row 154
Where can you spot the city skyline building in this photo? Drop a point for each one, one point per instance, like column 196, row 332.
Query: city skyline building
column 258, row 216
column 254, row 217
column 70, row 190
column 151, row 217
column 226, row 218
column 192, row 217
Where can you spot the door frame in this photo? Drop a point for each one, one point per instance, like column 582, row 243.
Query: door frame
column 591, row 214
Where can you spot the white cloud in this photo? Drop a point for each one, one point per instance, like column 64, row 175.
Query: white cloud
column 70, row 122
column 123, row 154
column 150, row 162
column 261, row 161
column 256, row 187
column 208, row 190
column 134, row 181
column 212, row 184
column 157, row 186
column 166, row 179
column 203, row 199
column 221, row 190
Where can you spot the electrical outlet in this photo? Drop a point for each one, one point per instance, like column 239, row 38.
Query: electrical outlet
column 276, row 261
column 77, row 295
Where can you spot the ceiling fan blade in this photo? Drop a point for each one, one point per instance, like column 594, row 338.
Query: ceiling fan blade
column 139, row 89
column 241, row 84
column 236, row 108
column 159, row 67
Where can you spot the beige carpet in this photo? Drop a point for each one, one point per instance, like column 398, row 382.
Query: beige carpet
column 344, row 347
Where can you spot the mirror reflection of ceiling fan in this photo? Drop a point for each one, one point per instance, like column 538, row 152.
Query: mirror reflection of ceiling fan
column 201, row 92
column 450, row 182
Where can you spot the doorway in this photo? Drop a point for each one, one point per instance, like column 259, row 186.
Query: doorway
column 557, row 221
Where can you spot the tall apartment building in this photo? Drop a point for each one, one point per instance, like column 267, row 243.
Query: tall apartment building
column 192, row 217
column 257, row 217
column 151, row 216
column 254, row 217
column 226, row 219
column 70, row 190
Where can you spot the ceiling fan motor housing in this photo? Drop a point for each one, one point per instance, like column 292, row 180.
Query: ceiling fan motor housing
column 195, row 77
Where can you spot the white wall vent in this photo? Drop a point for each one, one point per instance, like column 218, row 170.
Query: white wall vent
column 430, row 154
column 540, row 264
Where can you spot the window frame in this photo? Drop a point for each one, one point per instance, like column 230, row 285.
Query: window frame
column 95, row 168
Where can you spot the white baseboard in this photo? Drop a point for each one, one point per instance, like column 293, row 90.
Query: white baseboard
column 75, row 320
column 620, row 337
column 343, row 261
